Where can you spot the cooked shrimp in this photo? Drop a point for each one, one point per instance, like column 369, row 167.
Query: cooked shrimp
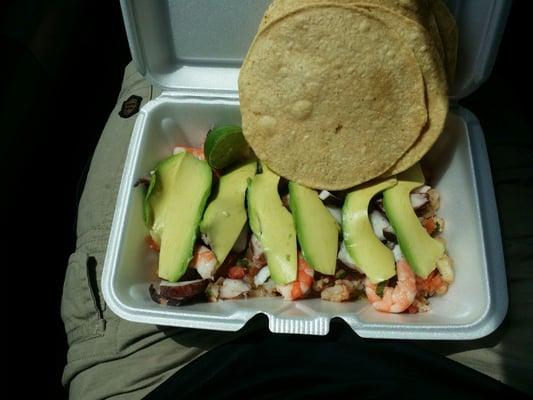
column 343, row 290
column 303, row 283
column 397, row 299
column 195, row 151
column 204, row 261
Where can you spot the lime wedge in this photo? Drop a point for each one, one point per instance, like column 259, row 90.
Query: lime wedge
column 224, row 146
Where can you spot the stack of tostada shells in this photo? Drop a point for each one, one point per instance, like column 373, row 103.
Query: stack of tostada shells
column 337, row 93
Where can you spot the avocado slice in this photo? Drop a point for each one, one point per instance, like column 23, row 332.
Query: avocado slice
column 273, row 225
column 316, row 229
column 420, row 250
column 187, row 196
column 158, row 194
column 226, row 215
column 369, row 254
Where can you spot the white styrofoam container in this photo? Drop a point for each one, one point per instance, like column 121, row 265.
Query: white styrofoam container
column 193, row 49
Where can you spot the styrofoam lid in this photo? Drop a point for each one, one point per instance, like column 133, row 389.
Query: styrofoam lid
column 199, row 45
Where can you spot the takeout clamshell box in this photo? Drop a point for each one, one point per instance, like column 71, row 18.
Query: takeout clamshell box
column 193, row 50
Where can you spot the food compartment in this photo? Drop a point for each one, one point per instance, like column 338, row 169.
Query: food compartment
column 474, row 305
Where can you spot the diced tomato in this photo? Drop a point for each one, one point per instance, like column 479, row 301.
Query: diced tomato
column 430, row 225
column 432, row 284
column 152, row 244
column 236, row 272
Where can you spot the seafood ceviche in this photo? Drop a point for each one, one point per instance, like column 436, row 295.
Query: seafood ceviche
column 225, row 227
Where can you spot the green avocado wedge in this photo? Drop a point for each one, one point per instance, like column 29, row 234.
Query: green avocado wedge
column 225, row 215
column 187, row 196
column 316, row 229
column 420, row 250
column 273, row 225
column 158, row 195
column 369, row 254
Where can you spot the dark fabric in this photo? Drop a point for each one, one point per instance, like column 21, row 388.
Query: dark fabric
column 267, row 366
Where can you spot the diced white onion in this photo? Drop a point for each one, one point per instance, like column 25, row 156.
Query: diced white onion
column 262, row 276
column 418, row 200
column 232, row 288
column 324, row 194
column 379, row 223
column 398, row 255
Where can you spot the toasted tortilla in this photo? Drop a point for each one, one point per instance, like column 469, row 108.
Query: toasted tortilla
column 449, row 35
column 416, row 10
column 330, row 96
column 435, row 80
column 433, row 71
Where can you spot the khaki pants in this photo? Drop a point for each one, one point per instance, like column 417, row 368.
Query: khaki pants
column 112, row 358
